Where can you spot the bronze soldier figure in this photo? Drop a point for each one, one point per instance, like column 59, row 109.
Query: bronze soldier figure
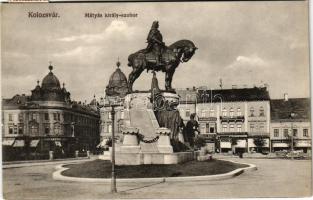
column 155, row 42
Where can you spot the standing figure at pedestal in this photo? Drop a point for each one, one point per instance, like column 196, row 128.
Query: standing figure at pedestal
column 192, row 126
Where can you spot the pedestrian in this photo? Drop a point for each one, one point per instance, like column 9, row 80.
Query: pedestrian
column 192, row 127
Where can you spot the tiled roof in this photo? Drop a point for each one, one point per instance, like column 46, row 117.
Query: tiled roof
column 281, row 109
column 17, row 100
column 230, row 95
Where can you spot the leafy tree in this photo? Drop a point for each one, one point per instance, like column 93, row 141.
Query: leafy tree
column 259, row 143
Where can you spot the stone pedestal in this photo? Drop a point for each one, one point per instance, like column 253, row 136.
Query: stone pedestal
column 130, row 141
column 164, row 143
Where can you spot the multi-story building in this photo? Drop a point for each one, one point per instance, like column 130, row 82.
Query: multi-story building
column 290, row 124
column 115, row 92
column 48, row 120
column 235, row 117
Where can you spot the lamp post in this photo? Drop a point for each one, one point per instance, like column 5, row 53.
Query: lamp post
column 292, row 115
column 113, row 178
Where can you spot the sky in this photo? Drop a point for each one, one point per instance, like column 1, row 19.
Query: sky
column 242, row 43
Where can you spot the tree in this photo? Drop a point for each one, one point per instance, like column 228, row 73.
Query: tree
column 259, row 143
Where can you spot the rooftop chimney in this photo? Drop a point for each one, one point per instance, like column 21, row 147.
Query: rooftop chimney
column 285, row 96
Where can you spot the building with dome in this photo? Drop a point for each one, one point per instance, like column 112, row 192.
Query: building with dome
column 48, row 120
column 115, row 92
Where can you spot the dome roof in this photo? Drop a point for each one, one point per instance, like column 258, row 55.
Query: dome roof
column 117, row 83
column 117, row 78
column 50, row 81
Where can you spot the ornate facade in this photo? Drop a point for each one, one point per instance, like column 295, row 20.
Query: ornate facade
column 48, row 120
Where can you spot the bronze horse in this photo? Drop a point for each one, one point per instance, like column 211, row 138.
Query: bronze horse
column 180, row 51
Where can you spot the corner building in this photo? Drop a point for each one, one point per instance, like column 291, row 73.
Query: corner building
column 48, row 120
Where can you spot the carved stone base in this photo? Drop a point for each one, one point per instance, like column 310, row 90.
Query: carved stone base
column 130, row 149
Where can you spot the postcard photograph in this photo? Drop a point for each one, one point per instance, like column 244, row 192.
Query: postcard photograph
column 155, row 100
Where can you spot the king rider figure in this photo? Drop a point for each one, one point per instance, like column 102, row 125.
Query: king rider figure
column 155, row 42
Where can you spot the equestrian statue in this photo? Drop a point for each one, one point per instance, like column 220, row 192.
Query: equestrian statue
column 159, row 57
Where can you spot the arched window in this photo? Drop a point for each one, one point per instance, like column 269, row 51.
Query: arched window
column 211, row 112
column 33, row 128
column 251, row 112
column 239, row 112
column 57, row 128
column 202, row 113
column 262, row 111
column 224, row 112
column 231, row 112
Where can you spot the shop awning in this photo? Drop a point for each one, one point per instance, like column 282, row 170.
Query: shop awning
column 280, row 145
column 226, row 145
column 241, row 144
column 34, row 143
column 303, row 143
column 58, row 143
column 8, row 142
column 19, row 143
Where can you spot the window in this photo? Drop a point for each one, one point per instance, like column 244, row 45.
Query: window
column 231, row 127
column 252, row 127
column 55, row 117
column 224, row 127
column 10, row 130
column 286, row 132
column 239, row 127
column 46, row 116
column 34, row 116
column 10, row 117
column 20, row 130
column 34, row 130
column 231, row 112
column 109, row 115
column 224, row 112
column 203, row 128
column 261, row 127
column 47, row 130
column 58, row 115
column 207, row 126
column 15, row 129
column 20, row 117
column 211, row 112
column 262, row 111
column 202, row 113
column 238, row 112
column 57, row 128
column 110, row 128
column 305, row 132
column 122, row 114
column 276, row 132
column 251, row 112
column 295, row 132
column 187, row 113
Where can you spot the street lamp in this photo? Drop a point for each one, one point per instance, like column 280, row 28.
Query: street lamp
column 292, row 115
column 114, row 102
column 113, row 179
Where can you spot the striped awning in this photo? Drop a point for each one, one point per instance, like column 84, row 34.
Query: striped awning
column 19, row 143
column 34, row 143
column 8, row 142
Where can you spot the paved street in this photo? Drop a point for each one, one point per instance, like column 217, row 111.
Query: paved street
column 274, row 178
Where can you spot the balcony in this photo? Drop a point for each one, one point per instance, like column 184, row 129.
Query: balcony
column 232, row 118
column 207, row 119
